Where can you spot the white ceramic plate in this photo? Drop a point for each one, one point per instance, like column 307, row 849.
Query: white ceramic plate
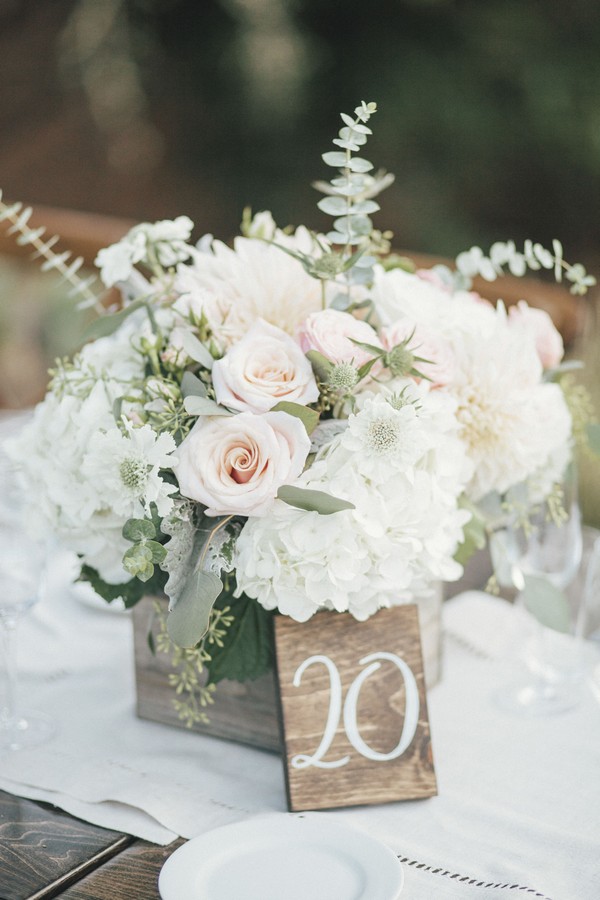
column 282, row 858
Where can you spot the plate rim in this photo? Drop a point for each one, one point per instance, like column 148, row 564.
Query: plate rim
column 330, row 832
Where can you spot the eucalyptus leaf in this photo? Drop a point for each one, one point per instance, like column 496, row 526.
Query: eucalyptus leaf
column 157, row 551
column 187, row 622
column 116, row 409
column 196, row 350
column 334, row 158
column 202, row 406
column 340, row 302
column 593, row 436
column 333, row 206
column 321, row 366
column 346, row 144
column 546, row 603
column 365, row 207
column 312, row 501
column 308, row 417
column 191, row 386
column 139, row 530
column 107, row 325
column 138, row 562
column 357, row 164
column 474, row 536
column 571, row 365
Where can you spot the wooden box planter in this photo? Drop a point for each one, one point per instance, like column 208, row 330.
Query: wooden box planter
column 248, row 712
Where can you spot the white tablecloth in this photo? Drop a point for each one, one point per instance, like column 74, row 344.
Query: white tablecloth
column 517, row 811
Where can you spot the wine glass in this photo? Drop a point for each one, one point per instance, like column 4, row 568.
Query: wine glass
column 543, row 555
column 22, row 568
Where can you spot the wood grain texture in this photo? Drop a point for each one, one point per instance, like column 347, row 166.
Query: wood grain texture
column 380, row 709
column 132, row 875
column 241, row 712
column 43, row 849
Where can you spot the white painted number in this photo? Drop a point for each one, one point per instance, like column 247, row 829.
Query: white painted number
column 411, row 712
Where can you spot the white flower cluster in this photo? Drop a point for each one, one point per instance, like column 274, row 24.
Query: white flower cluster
column 513, row 424
column 202, row 407
column 403, row 468
column 87, row 471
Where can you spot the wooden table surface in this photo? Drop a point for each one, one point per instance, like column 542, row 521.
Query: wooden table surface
column 45, row 853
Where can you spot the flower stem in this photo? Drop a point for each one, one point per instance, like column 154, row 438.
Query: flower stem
column 8, row 681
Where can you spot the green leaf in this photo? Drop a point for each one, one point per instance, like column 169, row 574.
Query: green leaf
column 371, row 348
column 546, row 603
column 357, row 164
column 138, row 562
column 106, row 325
column 334, row 158
column 571, row 365
column 196, row 350
column 308, row 417
column 593, row 436
column 202, row 406
column 365, row 207
column 247, row 651
column 333, row 206
column 157, row 550
column 474, row 536
column 191, row 386
column 321, row 366
column 312, row 501
column 130, row 592
column 187, row 622
column 139, row 530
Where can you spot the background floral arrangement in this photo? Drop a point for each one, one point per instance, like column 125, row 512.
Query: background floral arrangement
column 298, row 422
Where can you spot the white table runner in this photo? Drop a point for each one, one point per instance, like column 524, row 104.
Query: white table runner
column 518, row 804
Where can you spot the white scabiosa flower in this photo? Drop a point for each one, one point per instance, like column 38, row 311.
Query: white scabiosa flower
column 125, row 468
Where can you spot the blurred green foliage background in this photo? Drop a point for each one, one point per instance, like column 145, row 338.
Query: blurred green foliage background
column 489, row 114
column 489, row 111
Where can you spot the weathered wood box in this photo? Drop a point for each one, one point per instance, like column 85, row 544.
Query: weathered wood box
column 245, row 712
column 248, row 712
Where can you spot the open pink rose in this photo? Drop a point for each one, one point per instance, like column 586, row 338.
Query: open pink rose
column 548, row 341
column 441, row 369
column 332, row 333
column 236, row 464
column 263, row 368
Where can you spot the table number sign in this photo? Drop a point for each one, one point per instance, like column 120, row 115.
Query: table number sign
column 354, row 709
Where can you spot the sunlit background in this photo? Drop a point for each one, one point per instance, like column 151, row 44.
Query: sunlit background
column 489, row 114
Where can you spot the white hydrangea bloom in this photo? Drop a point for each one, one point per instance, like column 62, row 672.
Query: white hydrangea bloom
column 401, row 535
column 85, row 478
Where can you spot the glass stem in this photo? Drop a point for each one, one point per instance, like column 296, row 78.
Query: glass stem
column 8, row 670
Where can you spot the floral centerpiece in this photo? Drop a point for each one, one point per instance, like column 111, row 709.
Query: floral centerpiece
column 298, row 422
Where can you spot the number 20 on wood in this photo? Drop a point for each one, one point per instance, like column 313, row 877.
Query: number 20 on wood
column 374, row 745
column 411, row 715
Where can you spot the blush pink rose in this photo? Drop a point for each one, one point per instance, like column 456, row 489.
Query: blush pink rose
column 430, row 346
column 548, row 341
column 263, row 368
column 332, row 333
column 236, row 464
